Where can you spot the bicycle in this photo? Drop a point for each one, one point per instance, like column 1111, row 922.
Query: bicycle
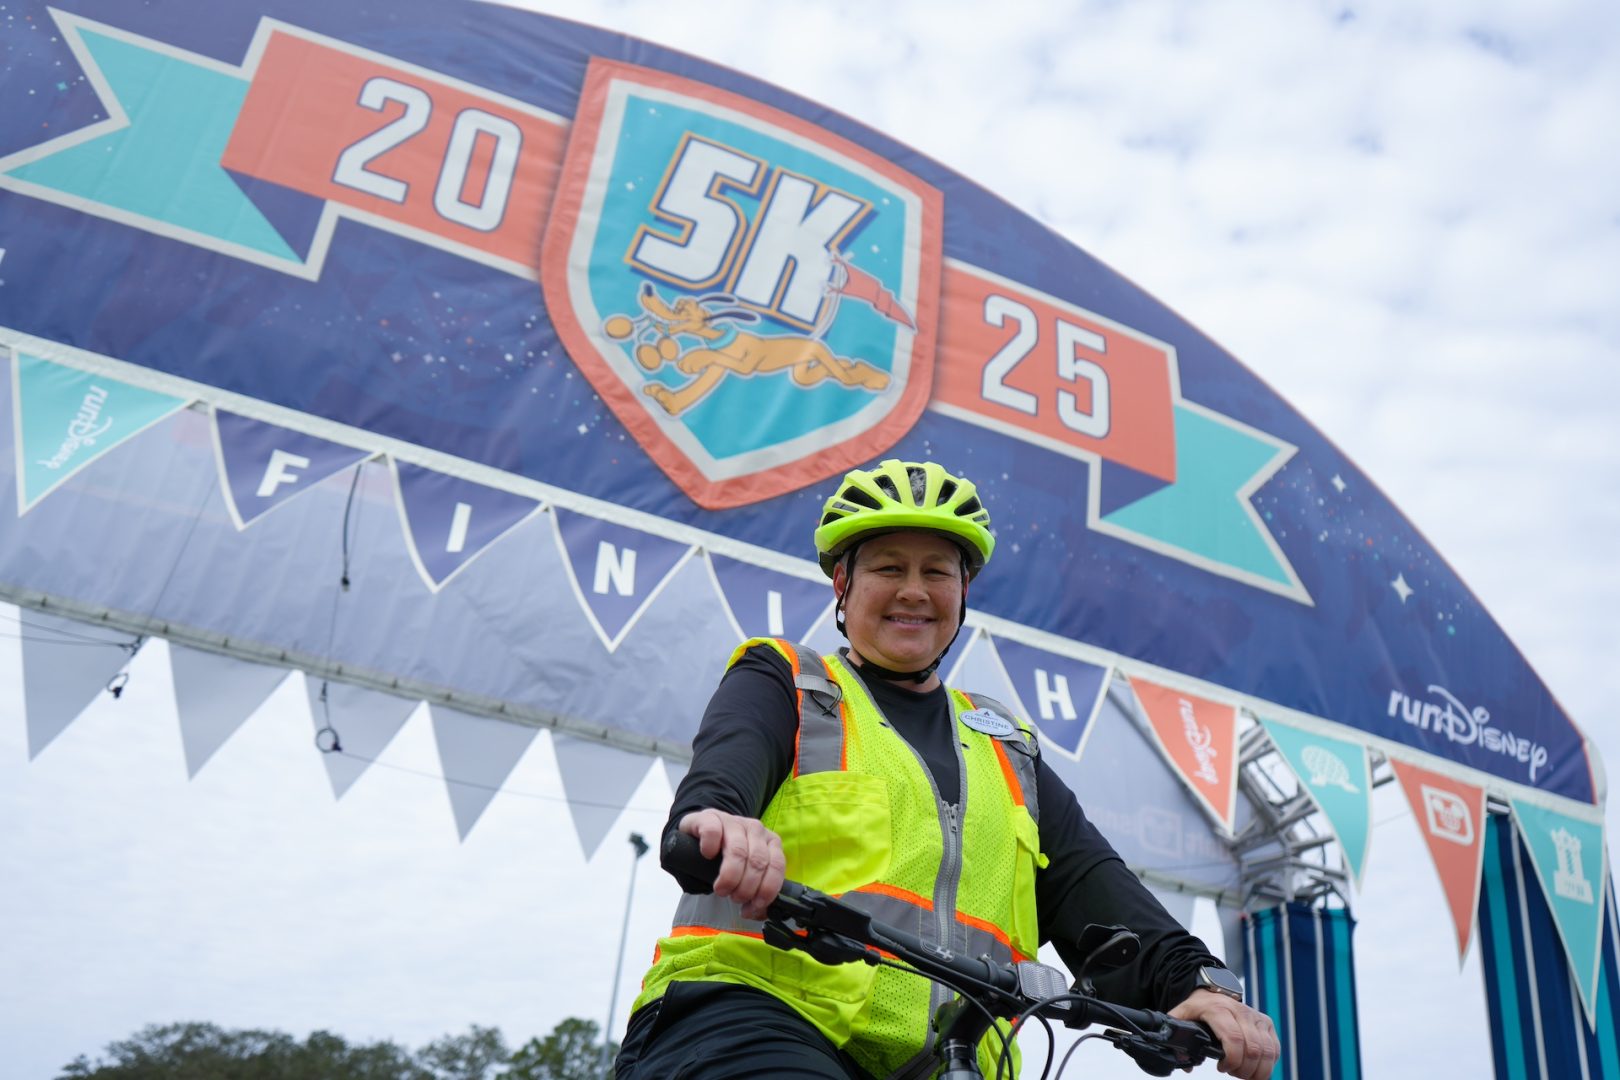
column 833, row 932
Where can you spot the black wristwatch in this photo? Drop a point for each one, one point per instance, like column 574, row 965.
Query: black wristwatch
column 1220, row 981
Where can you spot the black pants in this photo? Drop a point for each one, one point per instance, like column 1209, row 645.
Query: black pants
column 716, row 1031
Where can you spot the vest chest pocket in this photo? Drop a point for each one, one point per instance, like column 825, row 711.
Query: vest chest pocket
column 835, row 828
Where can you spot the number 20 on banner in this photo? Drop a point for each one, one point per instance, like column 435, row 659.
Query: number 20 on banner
column 444, row 162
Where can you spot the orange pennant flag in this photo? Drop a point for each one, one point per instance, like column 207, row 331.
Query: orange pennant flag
column 1200, row 739
column 1451, row 816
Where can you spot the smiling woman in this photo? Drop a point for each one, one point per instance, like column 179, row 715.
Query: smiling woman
column 902, row 597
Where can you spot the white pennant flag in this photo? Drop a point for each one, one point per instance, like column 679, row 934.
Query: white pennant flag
column 213, row 697
column 599, row 780
column 476, row 755
column 362, row 722
column 66, row 663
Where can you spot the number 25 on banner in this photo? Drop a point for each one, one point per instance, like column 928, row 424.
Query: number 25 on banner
column 1043, row 370
column 444, row 162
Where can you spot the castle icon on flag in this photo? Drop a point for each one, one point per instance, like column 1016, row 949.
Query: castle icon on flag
column 1569, row 881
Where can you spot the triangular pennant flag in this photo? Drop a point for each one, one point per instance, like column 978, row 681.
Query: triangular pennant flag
column 1059, row 693
column 65, row 665
column 599, row 780
column 616, row 571
column 1199, row 737
column 362, row 722
column 449, row 521
column 264, row 465
column 1569, row 856
column 675, row 772
column 1451, row 816
column 213, row 696
column 1336, row 774
column 767, row 603
column 477, row 755
column 65, row 418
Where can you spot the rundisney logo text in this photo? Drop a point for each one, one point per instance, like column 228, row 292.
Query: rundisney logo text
column 82, row 429
column 1464, row 726
column 1202, row 743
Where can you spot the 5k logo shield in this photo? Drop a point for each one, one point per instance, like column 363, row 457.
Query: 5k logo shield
column 754, row 297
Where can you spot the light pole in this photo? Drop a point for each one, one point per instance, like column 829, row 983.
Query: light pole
column 607, row 1034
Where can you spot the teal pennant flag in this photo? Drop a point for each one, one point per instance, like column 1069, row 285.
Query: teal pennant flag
column 1336, row 774
column 1569, row 855
column 155, row 161
column 1205, row 517
column 66, row 418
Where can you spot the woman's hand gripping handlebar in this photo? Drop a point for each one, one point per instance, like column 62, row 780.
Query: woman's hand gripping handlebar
column 833, row 932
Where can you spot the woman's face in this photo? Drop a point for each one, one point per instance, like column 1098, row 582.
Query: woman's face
column 903, row 600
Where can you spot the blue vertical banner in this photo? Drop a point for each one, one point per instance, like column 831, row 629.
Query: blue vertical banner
column 65, row 418
column 1336, row 774
column 1569, row 857
column 1059, row 693
column 616, row 571
column 263, row 465
column 768, row 603
column 1539, row 1027
column 449, row 521
column 1299, row 969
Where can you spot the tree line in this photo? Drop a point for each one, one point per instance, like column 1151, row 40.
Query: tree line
column 200, row 1051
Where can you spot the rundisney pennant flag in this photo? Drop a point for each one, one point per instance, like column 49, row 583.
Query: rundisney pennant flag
column 1200, row 739
column 1336, row 774
column 213, row 696
column 264, row 465
column 66, row 418
column 65, row 665
column 476, row 755
column 363, row 722
column 766, row 603
column 1059, row 693
column 1451, row 816
column 616, row 571
column 599, row 780
column 1570, row 860
column 449, row 521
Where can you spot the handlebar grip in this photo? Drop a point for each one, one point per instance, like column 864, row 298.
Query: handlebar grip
column 683, row 857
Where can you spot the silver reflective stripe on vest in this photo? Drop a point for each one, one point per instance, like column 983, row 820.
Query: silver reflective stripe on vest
column 712, row 912
column 1022, row 747
column 821, row 716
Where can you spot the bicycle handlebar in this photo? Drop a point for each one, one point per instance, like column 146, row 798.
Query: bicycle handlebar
column 836, row 933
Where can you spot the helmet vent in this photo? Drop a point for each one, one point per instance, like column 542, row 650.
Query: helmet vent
column 969, row 508
column 919, row 483
column 946, row 490
column 886, row 486
column 858, row 497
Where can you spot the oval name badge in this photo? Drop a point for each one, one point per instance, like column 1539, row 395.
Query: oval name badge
column 988, row 722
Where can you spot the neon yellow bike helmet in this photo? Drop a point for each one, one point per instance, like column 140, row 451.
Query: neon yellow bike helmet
column 905, row 495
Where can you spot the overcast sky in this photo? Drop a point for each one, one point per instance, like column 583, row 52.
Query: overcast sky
column 1406, row 218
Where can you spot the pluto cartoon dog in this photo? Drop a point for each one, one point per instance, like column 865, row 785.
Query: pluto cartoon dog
column 725, row 349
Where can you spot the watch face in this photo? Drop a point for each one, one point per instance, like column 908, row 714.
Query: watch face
column 1222, row 981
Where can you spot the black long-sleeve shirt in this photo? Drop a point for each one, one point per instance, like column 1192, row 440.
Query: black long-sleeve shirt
column 744, row 750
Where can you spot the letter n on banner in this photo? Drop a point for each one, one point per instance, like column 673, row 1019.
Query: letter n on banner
column 1451, row 816
column 616, row 571
column 1200, row 739
column 1061, row 694
column 263, row 465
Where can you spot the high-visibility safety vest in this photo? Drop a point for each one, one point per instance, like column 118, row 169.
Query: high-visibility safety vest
column 861, row 818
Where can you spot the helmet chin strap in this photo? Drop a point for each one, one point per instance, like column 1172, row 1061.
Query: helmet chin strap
column 872, row 667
